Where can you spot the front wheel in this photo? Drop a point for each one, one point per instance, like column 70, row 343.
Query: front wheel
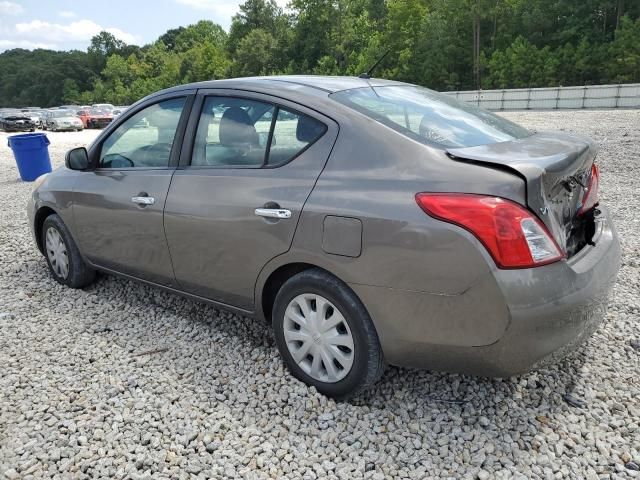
column 325, row 335
column 63, row 257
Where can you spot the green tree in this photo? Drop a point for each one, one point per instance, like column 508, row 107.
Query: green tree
column 194, row 35
column 255, row 54
column 102, row 46
column 623, row 54
column 315, row 20
column 436, row 43
column 253, row 14
column 207, row 61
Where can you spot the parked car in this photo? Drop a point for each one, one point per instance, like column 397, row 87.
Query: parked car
column 433, row 235
column 95, row 118
column 61, row 120
column 118, row 110
column 103, row 106
column 16, row 121
column 35, row 115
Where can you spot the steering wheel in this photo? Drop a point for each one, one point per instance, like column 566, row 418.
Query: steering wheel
column 156, row 155
column 116, row 160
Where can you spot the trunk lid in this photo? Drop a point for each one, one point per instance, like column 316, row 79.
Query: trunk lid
column 556, row 167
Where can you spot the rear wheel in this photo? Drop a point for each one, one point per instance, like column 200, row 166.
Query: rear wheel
column 325, row 334
column 63, row 257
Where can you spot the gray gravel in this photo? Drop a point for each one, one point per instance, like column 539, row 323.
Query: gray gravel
column 82, row 397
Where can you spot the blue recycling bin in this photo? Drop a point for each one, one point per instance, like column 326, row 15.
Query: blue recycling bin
column 31, row 151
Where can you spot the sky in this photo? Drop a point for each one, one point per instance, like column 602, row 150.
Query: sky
column 70, row 24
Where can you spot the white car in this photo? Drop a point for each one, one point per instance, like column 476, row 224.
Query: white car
column 59, row 120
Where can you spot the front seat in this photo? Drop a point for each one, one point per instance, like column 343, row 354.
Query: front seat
column 236, row 128
column 237, row 137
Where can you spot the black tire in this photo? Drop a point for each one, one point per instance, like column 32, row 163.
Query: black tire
column 368, row 364
column 79, row 273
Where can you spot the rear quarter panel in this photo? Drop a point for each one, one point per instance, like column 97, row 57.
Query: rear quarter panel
column 408, row 259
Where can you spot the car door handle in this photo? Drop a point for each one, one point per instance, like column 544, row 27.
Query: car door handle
column 141, row 200
column 273, row 212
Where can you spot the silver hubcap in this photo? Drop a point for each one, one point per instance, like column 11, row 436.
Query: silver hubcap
column 318, row 338
column 57, row 253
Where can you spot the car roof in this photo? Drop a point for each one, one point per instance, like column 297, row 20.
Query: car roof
column 327, row 84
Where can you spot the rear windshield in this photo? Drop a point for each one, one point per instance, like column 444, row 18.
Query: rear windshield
column 430, row 117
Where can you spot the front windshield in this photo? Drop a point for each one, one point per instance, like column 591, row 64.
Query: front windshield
column 62, row 114
column 96, row 111
column 430, row 117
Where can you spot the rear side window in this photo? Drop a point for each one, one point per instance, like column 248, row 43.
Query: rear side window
column 293, row 132
column 232, row 132
column 430, row 117
column 237, row 132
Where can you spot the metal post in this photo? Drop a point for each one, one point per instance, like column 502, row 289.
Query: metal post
column 502, row 100
column 528, row 98
column 584, row 95
column 557, row 96
column 617, row 96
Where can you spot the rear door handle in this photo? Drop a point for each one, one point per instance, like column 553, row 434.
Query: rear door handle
column 273, row 212
column 143, row 200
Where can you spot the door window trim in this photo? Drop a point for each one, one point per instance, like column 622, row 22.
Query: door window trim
column 96, row 148
column 188, row 145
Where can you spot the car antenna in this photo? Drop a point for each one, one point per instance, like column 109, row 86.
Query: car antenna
column 367, row 75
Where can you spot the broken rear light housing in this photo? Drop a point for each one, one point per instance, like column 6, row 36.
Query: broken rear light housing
column 590, row 199
column 512, row 235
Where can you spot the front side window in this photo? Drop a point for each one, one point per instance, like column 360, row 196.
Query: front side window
column 430, row 117
column 145, row 139
column 237, row 132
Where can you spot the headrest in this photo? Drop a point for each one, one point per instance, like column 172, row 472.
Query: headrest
column 308, row 129
column 236, row 127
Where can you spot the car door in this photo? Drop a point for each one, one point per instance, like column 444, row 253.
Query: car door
column 118, row 207
column 247, row 168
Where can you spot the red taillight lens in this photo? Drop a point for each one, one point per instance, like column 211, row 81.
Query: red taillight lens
column 591, row 196
column 511, row 234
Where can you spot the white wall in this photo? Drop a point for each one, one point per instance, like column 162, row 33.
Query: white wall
column 593, row 96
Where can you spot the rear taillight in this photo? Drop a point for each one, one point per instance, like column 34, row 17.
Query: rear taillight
column 514, row 237
column 590, row 199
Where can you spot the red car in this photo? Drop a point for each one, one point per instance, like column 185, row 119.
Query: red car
column 95, row 118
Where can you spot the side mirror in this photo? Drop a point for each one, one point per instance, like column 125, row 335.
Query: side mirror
column 77, row 159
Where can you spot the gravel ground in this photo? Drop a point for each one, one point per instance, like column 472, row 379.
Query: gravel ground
column 81, row 396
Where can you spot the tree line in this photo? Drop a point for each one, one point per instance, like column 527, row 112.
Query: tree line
column 441, row 44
